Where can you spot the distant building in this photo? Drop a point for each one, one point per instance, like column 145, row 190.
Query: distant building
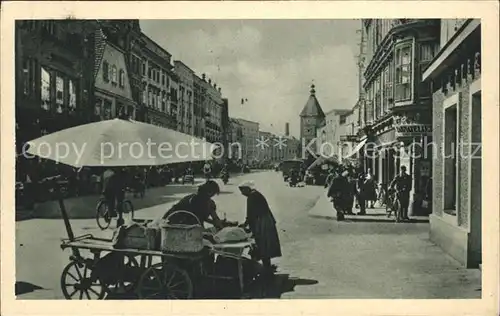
column 199, row 99
column 157, row 77
column 213, row 111
column 250, row 134
column 328, row 135
column 185, row 111
column 455, row 77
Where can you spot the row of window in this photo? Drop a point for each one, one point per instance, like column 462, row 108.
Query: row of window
column 155, row 74
column 110, row 73
column 395, row 82
column 57, row 90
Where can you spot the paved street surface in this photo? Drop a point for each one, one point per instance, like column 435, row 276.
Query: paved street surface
column 367, row 257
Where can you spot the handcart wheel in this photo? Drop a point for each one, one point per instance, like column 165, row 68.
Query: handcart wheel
column 103, row 216
column 77, row 283
column 128, row 283
column 165, row 281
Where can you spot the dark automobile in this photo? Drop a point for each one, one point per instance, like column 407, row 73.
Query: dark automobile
column 287, row 166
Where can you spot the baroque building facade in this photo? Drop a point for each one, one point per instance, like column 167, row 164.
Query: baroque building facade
column 396, row 113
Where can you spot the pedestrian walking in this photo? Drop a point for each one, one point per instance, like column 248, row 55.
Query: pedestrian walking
column 262, row 224
column 370, row 189
column 402, row 185
column 339, row 192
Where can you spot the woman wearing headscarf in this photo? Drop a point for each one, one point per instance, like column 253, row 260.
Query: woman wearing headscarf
column 262, row 224
column 200, row 204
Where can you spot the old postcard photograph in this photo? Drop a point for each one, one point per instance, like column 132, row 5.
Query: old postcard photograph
column 250, row 158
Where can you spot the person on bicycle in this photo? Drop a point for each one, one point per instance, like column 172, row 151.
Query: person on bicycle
column 207, row 170
column 114, row 182
column 402, row 185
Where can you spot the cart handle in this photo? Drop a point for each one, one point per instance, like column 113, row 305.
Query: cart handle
column 184, row 212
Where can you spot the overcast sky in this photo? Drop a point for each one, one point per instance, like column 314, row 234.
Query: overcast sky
column 269, row 62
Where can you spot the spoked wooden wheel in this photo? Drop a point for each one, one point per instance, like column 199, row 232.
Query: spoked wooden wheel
column 165, row 281
column 128, row 282
column 77, row 283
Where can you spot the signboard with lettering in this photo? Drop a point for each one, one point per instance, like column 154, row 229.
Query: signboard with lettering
column 413, row 130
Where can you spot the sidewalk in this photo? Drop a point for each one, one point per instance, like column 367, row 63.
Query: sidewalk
column 324, row 209
column 372, row 256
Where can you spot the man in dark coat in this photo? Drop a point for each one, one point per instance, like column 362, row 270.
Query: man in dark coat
column 402, row 185
column 261, row 222
column 339, row 192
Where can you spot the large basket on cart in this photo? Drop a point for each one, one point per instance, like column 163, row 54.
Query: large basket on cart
column 182, row 236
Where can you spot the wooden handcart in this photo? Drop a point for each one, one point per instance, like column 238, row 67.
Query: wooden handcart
column 142, row 274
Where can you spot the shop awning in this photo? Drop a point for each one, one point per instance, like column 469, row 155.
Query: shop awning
column 356, row 149
column 323, row 161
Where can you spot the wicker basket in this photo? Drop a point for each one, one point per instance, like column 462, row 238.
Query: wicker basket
column 179, row 238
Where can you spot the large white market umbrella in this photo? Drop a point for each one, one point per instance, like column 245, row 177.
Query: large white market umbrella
column 120, row 142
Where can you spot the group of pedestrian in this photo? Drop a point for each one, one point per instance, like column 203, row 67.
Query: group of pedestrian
column 344, row 188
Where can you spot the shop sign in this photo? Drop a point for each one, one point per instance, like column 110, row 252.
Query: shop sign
column 413, row 130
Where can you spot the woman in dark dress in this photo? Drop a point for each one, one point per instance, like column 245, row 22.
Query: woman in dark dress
column 262, row 224
column 200, row 204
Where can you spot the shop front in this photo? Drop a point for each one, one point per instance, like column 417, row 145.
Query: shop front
column 455, row 74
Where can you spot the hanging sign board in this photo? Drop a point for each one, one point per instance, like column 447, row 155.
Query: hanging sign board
column 413, row 130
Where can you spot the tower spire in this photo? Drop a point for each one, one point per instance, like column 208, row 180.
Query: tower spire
column 313, row 91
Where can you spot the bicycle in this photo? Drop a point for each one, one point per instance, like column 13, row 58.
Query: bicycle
column 104, row 215
column 393, row 205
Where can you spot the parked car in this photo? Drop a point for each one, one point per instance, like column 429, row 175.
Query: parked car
column 287, row 165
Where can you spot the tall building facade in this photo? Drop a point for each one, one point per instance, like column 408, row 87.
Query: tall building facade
column 312, row 118
column 396, row 112
column 157, row 82
column 250, row 134
column 199, row 99
column 185, row 113
column 213, row 111
column 54, row 76
column 455, row 77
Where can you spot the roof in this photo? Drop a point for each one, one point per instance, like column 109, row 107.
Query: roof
column 339, row 111
column 312, row 107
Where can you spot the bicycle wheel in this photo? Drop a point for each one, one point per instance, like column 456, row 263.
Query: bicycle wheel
column 103, row 217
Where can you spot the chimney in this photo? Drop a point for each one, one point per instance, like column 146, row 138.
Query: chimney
column 203, row 76
column 210, row 81
column 287, row 129
column 219, row 90
column 215, row 86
